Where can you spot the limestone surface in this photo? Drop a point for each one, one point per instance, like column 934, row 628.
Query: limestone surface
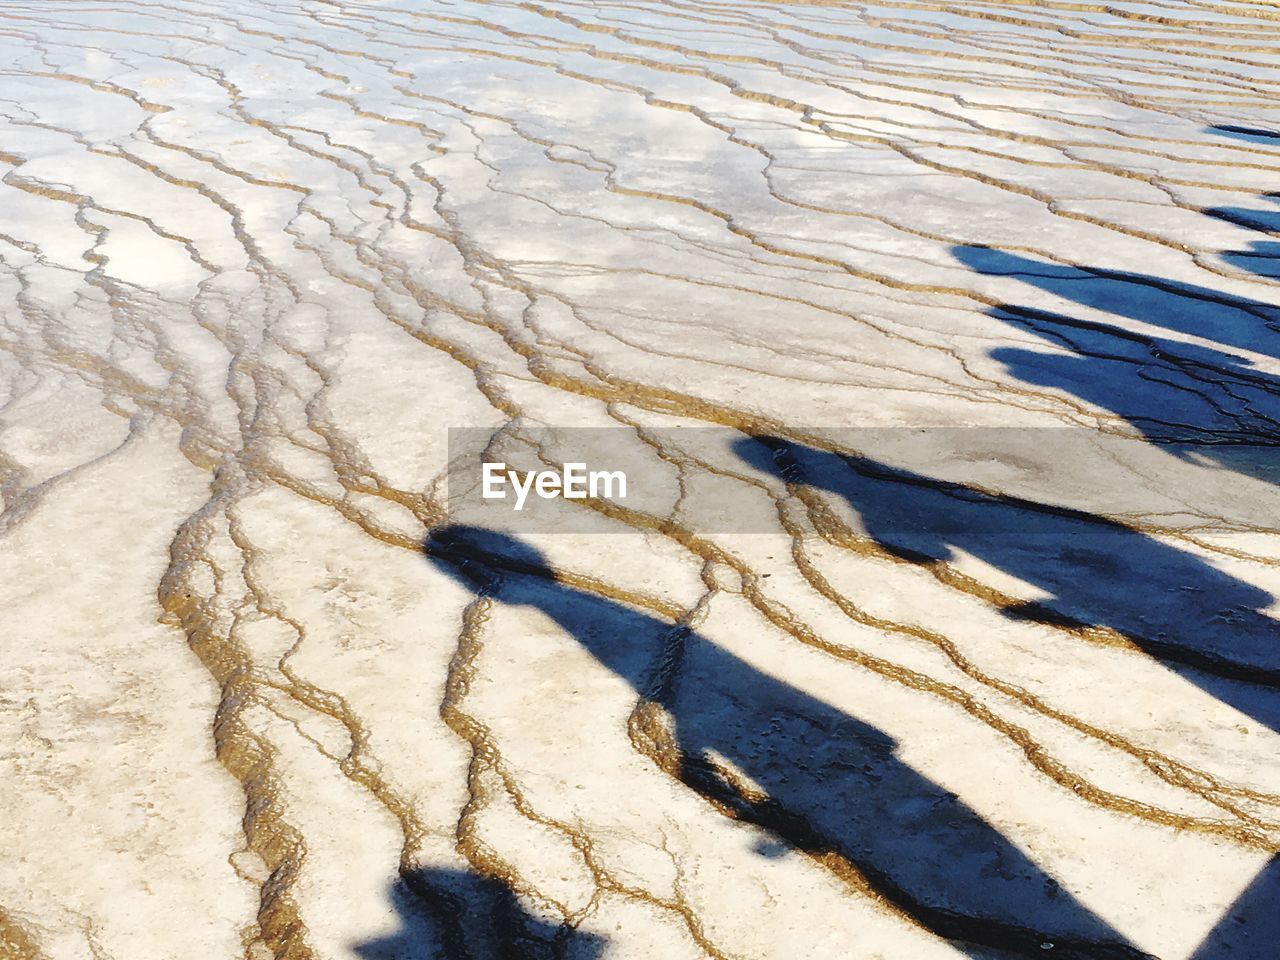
column 939, row 343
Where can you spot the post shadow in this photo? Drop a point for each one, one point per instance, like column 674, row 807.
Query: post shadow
column 460, row 915
column 1200, row 622
column 824, row 782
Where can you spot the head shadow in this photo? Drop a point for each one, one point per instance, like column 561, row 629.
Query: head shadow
column 458, row 913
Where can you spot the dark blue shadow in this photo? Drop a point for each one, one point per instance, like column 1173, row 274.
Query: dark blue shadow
column 1200, row 622
column 1268, row 138
column 1193, row 400
column 1228, row 320
column 464, row 916
column 1262, row 221
column 820, row 780
column 1263, row 256
column 1250, row 930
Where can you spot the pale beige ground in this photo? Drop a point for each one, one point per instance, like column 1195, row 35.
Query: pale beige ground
column 256, row 259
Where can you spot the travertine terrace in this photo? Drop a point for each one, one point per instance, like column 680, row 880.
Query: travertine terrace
column 1007, row 691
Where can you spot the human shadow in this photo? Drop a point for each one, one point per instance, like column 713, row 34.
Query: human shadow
column 460, row 915
column 824, row 782
column 1250, row 929
column 1233, row 321
column 1200, row 622
column 1198, row 402
column 1263, row 256
column 1194, row 401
